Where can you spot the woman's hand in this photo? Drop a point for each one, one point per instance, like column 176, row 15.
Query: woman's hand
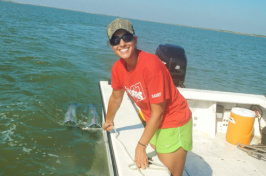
column 108, row 126
column 141, row 158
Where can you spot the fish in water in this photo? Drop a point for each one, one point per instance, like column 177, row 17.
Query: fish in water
column 71, row 116
column 72, row 120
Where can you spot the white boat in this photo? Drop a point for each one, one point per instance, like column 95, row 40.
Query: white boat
column 211, row 155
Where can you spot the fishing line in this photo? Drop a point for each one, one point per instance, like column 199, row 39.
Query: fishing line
column 133, row 165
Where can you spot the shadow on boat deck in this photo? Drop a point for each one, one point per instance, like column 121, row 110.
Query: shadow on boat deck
column 196, row 166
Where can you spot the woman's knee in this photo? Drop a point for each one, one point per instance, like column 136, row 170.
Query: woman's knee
column 174, row 161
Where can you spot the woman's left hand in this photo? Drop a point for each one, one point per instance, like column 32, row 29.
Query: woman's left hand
column 141, row 158
column 156, row 119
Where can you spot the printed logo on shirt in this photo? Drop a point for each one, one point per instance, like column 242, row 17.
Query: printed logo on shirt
column 136, row 91
column 156, row 95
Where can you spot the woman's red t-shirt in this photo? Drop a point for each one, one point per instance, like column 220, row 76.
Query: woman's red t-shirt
column 150, row 83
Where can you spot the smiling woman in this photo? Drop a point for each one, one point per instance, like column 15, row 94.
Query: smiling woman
column 146, row 79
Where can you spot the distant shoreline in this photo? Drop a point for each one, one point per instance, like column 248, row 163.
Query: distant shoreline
column 226, row 31
column 219, row 30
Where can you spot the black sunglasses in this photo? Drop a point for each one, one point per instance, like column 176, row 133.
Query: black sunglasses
column 115, row 40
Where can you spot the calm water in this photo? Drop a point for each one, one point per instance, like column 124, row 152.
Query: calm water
column 51, row 58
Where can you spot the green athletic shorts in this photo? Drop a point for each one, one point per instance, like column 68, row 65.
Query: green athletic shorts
column 170, row 139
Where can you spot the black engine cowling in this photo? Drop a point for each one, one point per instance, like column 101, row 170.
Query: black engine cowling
column 173, row 56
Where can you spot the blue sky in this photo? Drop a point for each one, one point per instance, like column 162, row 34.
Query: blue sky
column 246, row 16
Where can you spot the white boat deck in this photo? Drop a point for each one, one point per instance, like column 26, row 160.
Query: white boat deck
column 215, row 156
column 211, row 154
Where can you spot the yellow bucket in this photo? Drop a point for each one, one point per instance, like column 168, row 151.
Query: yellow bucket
column 240, row 126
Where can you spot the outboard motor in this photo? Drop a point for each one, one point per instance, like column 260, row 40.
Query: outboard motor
column 173, row 56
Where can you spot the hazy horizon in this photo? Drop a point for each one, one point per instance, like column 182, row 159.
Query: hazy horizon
column 239, row 16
